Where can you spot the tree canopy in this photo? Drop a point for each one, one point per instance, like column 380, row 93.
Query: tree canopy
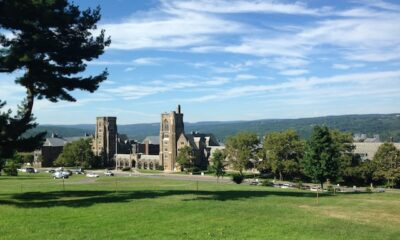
column 321, row 160
column 387, row 160
column 78, row 153
column 240, row 148
column 48, row 43
column 283, row 152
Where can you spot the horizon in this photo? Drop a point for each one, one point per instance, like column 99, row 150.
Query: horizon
column 265, row 119
column 224, row 60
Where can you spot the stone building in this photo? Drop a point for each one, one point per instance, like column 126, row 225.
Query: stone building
column 367, row 150
column 173, row 138
column 171, row 127
column 105, row 139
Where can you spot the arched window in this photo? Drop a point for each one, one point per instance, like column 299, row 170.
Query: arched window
column 166, row 125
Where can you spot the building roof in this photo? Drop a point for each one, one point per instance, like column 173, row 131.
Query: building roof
column 55, row 142
column 152, row 139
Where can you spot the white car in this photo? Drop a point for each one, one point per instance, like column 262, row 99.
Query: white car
column 92, row 175
column 60, row 174
column 108, row 173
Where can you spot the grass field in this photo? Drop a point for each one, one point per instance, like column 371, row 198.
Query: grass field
column 36, row 207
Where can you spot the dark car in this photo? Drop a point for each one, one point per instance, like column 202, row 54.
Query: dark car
column 30, row 170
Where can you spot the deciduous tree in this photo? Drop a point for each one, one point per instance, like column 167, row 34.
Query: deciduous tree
column 240, row 148
column 283, row 151
column 387, row 160
column 78, row 153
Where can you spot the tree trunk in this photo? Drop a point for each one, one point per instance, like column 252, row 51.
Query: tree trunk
column 280, row 176
column 322, row 185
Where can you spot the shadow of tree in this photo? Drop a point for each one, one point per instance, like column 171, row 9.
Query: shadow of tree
column 79, row 199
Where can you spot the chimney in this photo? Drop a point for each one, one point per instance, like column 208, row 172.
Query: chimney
column 179, row 109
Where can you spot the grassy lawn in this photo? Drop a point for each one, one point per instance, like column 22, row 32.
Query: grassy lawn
column 35, row 207
column 149, row 171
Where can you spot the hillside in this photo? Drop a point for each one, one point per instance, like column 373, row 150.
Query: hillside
column 386, row 125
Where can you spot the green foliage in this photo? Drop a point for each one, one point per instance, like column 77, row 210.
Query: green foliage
column 283, row 151
column 237, row 178
column 240, row 148
column 77, row 153
column 10, row 169
column 185, row 158
column 50, row 45
column 321, row 160
column 218, row 166
column 387, row 161
column 126, row 169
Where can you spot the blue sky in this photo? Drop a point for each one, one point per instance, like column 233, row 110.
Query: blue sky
column 237, row 60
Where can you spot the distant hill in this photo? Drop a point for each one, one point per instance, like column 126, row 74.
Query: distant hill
column 386, row 125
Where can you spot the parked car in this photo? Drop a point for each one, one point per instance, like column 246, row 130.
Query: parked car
column 31, row 170
column 51, row 171
column 92, row 175
column 78, row 171
column 60, row 174
column 108, row 173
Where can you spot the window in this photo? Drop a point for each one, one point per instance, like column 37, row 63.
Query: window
column 165, row 125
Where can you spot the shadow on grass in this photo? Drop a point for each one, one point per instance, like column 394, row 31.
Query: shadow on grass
column 79, row 199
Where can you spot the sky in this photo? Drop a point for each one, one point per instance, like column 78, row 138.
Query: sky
column 228, row 60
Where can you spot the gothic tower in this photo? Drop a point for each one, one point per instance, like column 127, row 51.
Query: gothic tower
column 105, row 139
column 171, row 127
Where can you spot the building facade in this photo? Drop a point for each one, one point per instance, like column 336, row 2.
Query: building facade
column 105, row 139
column 171, row 127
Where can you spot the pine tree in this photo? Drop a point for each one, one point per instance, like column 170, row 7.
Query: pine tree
column 51, row 41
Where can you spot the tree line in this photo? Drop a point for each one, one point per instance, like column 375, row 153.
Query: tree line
column 327, row 156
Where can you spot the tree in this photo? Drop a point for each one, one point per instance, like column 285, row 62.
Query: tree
column 283, row 151
column 240, row 148
column 78, row 153
column 348, row 161
column 50, row 42
column 387, row 160
column 185, row 158
column 321, row 160
column 218, row 165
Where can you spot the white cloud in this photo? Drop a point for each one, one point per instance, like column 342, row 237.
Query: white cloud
column 346, row 66
column 224, row 6
column 293, row 72
column 245, row 77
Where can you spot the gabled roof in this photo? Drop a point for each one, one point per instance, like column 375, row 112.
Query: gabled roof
column 55, row 142
column 152, row 139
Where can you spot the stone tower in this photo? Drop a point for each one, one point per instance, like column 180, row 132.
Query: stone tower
column 105, row 139
column 171, row 127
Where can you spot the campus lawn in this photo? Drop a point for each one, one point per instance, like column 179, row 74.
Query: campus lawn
column 36, row 207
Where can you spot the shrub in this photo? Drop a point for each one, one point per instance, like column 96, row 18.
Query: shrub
column 10, row 169
column 237, row 178
column 125, row 169
column 368, row 190
column 267, row 183
column 330, row 189
column 159, row 167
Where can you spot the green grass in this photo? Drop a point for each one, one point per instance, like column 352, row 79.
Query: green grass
column 149, row 171
column 35, row 207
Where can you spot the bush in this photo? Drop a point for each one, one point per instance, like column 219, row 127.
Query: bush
column 10, row 169
column 159, row 167
column 125, row 169
column 267, row 183
column 330, row 189
column 237, row 178
column 368, row 190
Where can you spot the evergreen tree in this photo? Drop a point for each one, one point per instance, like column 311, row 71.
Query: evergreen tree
column 321, row 160
column 50, row 42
